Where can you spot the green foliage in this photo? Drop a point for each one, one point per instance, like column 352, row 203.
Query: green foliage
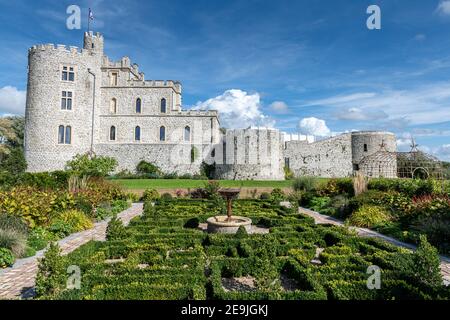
column 115, row 230
column 148, row 168
column 70, row 221
column 426, row 264
column 150, row 195
column 305, row 184
column 162, row 258
column 208, row 170
column 166, row 197
column 39, row 237
column 14, row 162
column 51, row 274
column 277, row 195
column 6, row 258
column 367, row 216
column 241, row 233
column 13, row 222
column 212, row 189
column 410, row 187
column 91, row 165
column 288, row 173
column 14, row 241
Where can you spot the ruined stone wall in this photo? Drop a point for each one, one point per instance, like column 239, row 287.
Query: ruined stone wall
column 327, row 158
column 252, row 154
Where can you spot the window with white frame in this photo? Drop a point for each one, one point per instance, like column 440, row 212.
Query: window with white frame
column 66, row 100
column 68, row 73
column 64, row 134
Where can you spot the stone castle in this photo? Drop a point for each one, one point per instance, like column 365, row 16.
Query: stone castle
column 80, row 101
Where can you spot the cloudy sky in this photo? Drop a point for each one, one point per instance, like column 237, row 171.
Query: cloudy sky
column 309, row 66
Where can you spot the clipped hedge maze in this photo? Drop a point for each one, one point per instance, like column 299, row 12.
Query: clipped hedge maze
column 166, row 256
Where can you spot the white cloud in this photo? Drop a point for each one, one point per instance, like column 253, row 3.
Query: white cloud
column 237, row 109
column 315, row 127
column 443, row 152
column 278, row 107
column 361, row 114
column 12, row 101
column 426, row 104
column 444, row 7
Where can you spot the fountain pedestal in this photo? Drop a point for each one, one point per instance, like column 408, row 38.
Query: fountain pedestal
column 228, row 223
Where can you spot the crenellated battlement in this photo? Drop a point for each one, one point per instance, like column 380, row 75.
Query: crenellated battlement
column 52, row 48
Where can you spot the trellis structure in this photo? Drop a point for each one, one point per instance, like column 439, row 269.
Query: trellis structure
column 414, row 164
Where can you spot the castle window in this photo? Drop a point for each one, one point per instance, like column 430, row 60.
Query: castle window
column 113, row 79
column 138, row 105
column 162, row 134
column 113, row 106
column 112, row 133
column 68, row 73
column 356, row 167
column 163, row 105
column 365, row 147
column 137, row 133
column 68, row 138
column 66, row 100
column 187, row 134
column 61, row 134
column 64, row 135
column 287, row 163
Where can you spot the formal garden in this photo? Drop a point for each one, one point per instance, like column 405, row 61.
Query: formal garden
column 166, row 254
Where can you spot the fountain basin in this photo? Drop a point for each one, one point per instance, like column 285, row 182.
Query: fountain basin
column 219, row 224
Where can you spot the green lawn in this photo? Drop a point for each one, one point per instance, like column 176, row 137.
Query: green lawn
column 185, row 184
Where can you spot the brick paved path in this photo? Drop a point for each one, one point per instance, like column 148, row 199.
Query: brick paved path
column 18, row 281
column 323, row 219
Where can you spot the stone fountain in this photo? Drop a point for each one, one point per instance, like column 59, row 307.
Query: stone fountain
column 228, row 223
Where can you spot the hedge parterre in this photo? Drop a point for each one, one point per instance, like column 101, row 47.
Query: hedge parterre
column 166, row 256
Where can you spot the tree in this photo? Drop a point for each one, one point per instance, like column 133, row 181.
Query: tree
column 51, row 272
column 426, row 264
column 91, row 165
column 12, row 159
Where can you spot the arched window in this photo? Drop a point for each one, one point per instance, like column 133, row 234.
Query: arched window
column 61, row 134
column 365, row 147
column 112, row 133
column 163, row 105
column 138, row 105
column 162, row 134
column 137, row 133
column 187, row 134
column 113, row 105
column 68, row 138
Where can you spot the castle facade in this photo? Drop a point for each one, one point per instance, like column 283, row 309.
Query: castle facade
column 80, row 101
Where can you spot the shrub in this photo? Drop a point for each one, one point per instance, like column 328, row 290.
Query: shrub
column 13, row 222
column 115, row 230
column 192, row 223
column 277, row 195
column 241, row 232
column 6, row 258
column 39, row 238
column 150, row 195
column 14, row 241
column 145, row 167
column 340, row 205
column 51, row 272
column 212, row 188
column 426, row 264
column 305, row 184
column 288, row 173
column 207, row 170
column 14, row 162
column 91, row 165
column 77, row 220
column 166, row 197
column 368, row 216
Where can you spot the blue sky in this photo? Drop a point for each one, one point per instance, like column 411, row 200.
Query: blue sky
column 267, row 62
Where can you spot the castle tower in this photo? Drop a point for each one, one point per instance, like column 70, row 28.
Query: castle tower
column 93, row 42
column 60, row 102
